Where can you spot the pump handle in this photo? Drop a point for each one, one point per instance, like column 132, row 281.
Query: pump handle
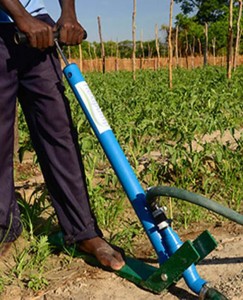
column 21, row 38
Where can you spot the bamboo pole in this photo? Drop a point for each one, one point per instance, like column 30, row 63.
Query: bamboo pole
column 214, row 53
column 157, row 45
column 90, row 58
column 186, row 50
column 134, row 40
column 176, row 46
column 193, row 53
column 206, row 45
column 96, row 59
column 238, row 34
column 199, row 47
column 102, row 45
column 142, row 50
column 230, row 41
column 117, row 56
column 170, row 45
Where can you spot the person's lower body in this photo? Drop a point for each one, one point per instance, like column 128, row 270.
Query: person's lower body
column 35, row 78
column 10, row 224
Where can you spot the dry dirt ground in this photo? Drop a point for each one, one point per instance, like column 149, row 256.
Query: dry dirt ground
column 223, row 268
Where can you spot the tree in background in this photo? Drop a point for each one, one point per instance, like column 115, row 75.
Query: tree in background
column 189, row 31
column 206, row 11
column 213, row 12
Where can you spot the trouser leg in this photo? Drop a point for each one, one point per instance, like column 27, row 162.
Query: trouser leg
column 10, row 225
column 47, row 112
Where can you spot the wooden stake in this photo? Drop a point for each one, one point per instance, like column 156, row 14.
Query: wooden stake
column 117, row 57
column 237, row 42
column 91, row 59
column 134, row 40
column 176, row 47
column 206, row 45
column 193, row 53
column 142, row 50
column 102, row 46
column 186, row 50
column 214, row 53
column 230, row 41
column 157, row 45
column 170, row 45
column 96, row 59
column 199, row 47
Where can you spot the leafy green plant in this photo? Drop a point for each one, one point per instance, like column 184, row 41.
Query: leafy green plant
column 30, row 262
column 32, row 210
column 149, row 118
column 37, row 282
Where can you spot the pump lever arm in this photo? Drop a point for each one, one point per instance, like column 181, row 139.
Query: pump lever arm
column 21, row 38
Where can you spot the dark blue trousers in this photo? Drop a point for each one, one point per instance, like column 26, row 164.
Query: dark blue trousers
column 35, row 78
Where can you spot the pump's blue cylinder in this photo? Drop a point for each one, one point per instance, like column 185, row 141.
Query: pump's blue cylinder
column 115, row 155
column 125, row 173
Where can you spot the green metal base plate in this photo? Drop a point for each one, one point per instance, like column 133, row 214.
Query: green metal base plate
column 155, row 279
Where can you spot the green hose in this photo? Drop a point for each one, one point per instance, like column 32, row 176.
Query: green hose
column 193, row 198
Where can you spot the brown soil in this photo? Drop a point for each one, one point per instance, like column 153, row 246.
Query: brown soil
column 75, row 279
column 223, row 268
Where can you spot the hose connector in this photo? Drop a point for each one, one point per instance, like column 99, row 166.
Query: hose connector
column 209, row 293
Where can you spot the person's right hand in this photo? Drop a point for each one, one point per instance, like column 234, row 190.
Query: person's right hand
column 39, row 34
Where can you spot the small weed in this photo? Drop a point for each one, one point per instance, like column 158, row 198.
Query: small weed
column 33, row 210
column 37, row 282
column 125, row 237
column 30, row 262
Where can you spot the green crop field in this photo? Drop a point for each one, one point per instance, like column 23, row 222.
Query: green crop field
column 158, row 129
column 167, row 138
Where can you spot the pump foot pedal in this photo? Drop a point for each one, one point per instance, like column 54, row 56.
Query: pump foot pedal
column 148, row 277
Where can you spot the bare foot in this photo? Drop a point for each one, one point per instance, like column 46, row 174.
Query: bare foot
column 105, row 254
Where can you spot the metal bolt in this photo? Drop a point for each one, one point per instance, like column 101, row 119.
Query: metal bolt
column 164, row 277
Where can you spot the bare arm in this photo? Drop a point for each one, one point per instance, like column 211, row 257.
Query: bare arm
column 71, row 32
column 40, row 34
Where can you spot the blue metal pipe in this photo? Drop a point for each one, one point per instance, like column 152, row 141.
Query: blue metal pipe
column 170, row 241
column 115, row 155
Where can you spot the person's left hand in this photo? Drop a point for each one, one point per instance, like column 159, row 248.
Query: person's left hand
column 71, row 32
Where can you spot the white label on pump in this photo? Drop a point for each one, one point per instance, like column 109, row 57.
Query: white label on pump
column 92, row 106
